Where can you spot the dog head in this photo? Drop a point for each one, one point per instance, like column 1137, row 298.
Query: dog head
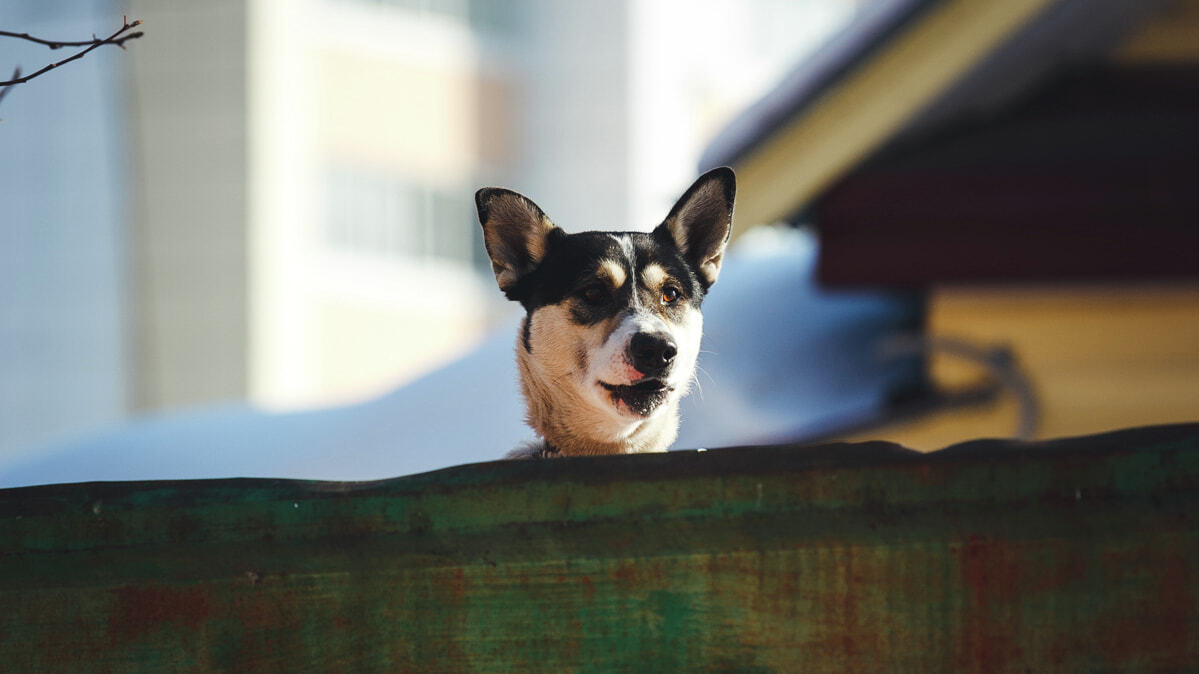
column 612, row 327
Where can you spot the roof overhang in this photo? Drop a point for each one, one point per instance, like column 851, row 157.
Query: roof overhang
column 901, row 68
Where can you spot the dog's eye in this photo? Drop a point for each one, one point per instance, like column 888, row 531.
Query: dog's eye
column 670, row 294
column 594, row 294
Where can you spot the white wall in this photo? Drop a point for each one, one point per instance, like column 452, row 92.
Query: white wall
column 573, row 139
column 187, row 177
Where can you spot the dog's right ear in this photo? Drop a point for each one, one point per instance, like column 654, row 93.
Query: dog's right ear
column 514, row 231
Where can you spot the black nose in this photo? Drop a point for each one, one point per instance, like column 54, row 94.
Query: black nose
column 651, row 353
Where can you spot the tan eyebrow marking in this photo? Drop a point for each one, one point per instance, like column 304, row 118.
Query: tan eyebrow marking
column 613, row 271
column 653, row 275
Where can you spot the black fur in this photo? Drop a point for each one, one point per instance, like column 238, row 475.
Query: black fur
column 571, row 264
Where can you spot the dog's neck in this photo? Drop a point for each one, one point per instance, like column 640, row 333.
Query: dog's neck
column 650, row 435
column 568, row 426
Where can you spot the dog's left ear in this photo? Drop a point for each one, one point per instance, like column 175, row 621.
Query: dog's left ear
column 514, row 231
column 701, row 221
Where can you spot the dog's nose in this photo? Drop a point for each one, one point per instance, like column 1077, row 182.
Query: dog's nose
column 651, row 353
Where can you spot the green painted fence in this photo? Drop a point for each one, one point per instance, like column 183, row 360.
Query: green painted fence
column 1074, row 555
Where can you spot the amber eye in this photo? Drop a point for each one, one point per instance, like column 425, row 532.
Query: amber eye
column 670, row 294
column 594, row 294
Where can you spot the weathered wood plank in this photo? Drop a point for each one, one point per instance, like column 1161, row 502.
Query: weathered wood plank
column 1072, row 555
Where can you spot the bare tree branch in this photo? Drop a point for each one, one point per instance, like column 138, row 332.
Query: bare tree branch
column 58, row 44
column 118, row 38
column 16, row 72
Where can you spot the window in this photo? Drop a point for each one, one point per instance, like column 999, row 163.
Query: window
column 495, row 17
column 388, row 217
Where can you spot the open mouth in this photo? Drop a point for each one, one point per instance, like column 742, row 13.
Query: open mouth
column 641, row 398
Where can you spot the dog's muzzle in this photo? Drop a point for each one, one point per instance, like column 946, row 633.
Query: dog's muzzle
column 652, row 353
column 642, row 397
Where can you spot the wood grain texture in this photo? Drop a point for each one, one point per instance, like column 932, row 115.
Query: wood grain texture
column 1073, row 555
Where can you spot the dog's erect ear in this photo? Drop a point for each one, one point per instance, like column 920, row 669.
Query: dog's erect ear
column 514, row 231
column 701, row 221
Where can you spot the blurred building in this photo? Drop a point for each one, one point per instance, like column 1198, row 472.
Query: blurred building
column 1030, row 166
column 279, row 193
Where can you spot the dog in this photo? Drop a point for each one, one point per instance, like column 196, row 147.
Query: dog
column 612, row 324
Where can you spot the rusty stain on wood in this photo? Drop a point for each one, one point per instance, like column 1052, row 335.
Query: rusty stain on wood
column 1067, row 555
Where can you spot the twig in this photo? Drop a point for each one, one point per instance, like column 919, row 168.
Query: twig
column 58, row 44
column 115, row 39
column 16, row 72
